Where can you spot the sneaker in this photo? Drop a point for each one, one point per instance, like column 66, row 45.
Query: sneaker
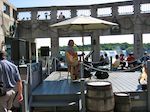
column 77, row 80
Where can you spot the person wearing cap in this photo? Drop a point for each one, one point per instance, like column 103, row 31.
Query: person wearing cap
column 145, row 57
column 131, row 60
column 11, row 78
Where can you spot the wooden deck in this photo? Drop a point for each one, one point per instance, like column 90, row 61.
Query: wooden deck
column 56, row 84
column 124, row 81
column 58, row 91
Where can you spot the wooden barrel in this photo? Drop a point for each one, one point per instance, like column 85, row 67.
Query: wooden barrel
column 99, row 97
column 122, row 102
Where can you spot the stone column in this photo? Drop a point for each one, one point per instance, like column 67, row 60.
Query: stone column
column 2, row 38
column 54, row 35
column 115, row 11
column 32, row 38
column 93, row 11
column 138, row 40
column 54, row 43
column 73, row 13
column 34, row 15
column 54, row 14
column 95, row 45
column 33, row 21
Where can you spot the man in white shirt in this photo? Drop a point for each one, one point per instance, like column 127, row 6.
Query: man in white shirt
column 61, row 16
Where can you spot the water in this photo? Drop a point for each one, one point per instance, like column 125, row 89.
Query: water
column 110, row 53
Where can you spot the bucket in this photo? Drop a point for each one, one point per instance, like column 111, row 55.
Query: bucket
column 122, row 102
column 99, row 97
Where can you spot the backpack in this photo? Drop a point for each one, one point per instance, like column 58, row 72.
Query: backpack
column 87, row 73
column 2, row 84
column 101, row 75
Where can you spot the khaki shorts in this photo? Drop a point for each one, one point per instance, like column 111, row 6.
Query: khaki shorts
column 7, row 100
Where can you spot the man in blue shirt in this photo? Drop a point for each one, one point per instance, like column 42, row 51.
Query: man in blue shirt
column 145, row 57
column 11, row 79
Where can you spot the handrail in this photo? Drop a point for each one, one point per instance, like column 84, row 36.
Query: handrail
column 29, row 84
column 25, row 92
column 100, row 69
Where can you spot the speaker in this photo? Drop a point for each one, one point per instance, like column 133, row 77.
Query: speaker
column 44, row 51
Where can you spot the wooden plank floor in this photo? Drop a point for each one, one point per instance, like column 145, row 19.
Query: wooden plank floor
column 124, row 81
column 56, row 84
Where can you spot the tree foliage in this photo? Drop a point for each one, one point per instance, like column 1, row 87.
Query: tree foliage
column 112, row 46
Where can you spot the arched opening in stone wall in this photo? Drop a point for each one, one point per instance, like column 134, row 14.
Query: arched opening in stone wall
column 63, row 42
column 116, row 44
column 41, row 48
column 146, row 42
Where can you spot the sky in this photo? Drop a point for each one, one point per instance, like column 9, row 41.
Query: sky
column 35, row 3
column 62, row 41
column 87, row 40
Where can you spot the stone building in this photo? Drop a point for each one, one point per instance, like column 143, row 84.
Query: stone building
column 8, row 14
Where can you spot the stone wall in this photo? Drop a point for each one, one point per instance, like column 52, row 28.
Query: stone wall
column 7, row 19
column 134, row 22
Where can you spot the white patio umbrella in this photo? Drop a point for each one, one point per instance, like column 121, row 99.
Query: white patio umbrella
column 83, row 23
